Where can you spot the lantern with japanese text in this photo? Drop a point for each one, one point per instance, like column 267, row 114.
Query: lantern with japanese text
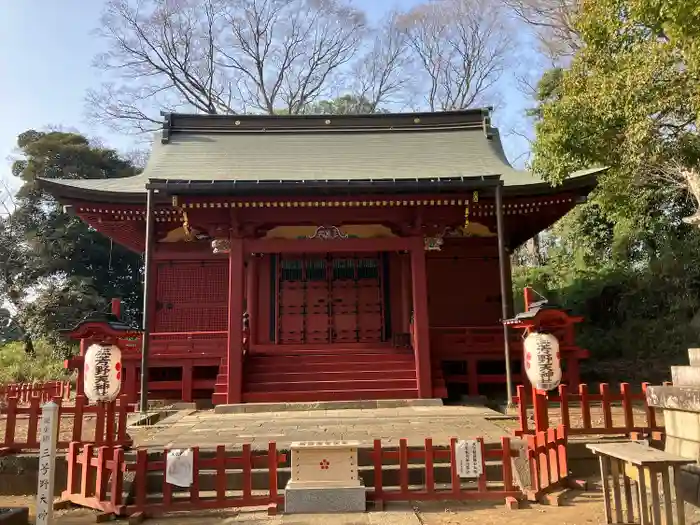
column 542, row 361
column 102, row 372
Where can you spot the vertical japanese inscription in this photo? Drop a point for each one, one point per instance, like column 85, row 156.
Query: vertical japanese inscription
column 47, row 462
column 102, row 364
column 544, row 362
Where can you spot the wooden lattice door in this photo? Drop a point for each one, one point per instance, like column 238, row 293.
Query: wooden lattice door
column 327, row 299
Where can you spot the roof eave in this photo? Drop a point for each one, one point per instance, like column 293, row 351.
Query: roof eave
column 259, row 188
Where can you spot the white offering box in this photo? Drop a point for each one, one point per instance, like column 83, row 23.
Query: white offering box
column 322, row 464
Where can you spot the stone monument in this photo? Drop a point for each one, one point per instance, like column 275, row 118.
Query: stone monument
column 681, row 405
column 324, row 478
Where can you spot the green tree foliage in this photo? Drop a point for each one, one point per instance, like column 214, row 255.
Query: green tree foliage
column 625, row 260
column 345, row 105
column 55, row 268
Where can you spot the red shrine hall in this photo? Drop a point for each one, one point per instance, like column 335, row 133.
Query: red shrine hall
column 299, row 258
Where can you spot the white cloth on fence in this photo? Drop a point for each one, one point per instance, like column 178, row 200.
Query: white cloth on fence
column 178, row 468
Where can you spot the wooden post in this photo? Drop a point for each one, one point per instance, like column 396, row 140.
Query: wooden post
column 252, row 290
column 421, row 330
column 527, row 297
column 405, row 293
column 503, row 269
column 234, row 357
column 147, row 289
column 80, row 383
column 116, row 307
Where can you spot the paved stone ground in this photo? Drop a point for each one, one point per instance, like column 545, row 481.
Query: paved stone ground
column 207, row 429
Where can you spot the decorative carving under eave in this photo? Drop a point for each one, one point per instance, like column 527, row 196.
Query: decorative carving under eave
column 327, row 233
column 433, row 244
column 220, row 246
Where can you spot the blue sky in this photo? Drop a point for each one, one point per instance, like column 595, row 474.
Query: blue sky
column 46, row 50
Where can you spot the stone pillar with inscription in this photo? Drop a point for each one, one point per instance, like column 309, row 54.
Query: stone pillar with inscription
column 681, row 406
column 47, row 463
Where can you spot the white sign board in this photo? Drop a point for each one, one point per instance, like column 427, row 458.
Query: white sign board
column 468, row 456
column 179, row 468
column 48, row 435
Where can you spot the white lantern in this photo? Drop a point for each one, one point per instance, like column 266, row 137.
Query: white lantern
column 102, row 372
column 542, row 361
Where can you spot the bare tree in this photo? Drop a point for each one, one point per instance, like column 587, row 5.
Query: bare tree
column 220, row 56
column 288, row 53
column 459, row 48
column 552, row 22
column 380, row 75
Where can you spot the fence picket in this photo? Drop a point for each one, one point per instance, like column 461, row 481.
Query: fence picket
column 584, row 399
column 30, row 417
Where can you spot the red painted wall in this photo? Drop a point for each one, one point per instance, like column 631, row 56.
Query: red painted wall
column 191, row 295
column 463, row 283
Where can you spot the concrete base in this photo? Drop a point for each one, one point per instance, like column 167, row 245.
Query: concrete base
column 15, row 516
column 248, row 408
column 306, row 500
column 689, row 484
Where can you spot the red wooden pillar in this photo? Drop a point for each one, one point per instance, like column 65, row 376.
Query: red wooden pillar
column 405, row 293
column 80, row 382
column 236, row 285
column 130, row 382
column 187, row 373
column 421, row 327
column 252, row 298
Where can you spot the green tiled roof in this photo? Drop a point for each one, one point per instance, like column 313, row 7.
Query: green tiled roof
column 410, row 147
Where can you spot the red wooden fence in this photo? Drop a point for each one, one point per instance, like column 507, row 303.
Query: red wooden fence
column 546, row 454
column 96, row 480
column 603, row 403
column 44, row 391
column 96, row 476
column 480, row 489
column 105, row 423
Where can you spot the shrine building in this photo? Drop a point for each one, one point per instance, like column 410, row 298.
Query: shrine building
column 325, row 257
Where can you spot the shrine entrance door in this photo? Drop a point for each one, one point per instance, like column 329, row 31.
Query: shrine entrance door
column 331, row 298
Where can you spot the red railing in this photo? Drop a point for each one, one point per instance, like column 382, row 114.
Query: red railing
column 431, row 457
column 458, row 340
column 45, row 391
column 546, row 454
column 177, row 343
column 244, row 478
column 105, row 423
column 623, row 421
column 96, row 479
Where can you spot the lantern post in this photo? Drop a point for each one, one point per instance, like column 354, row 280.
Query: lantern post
column 145, row 329
column 503, row 268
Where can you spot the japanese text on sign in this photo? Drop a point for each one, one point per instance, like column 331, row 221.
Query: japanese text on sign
column 469, row 459
column 102, row 362
column 47, row 461
column 544, row 361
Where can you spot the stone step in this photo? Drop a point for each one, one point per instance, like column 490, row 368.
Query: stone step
column 283, row 406
column 694, row 356
column 685, row 376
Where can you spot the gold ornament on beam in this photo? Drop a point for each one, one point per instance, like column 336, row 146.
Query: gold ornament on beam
column 189, row 234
